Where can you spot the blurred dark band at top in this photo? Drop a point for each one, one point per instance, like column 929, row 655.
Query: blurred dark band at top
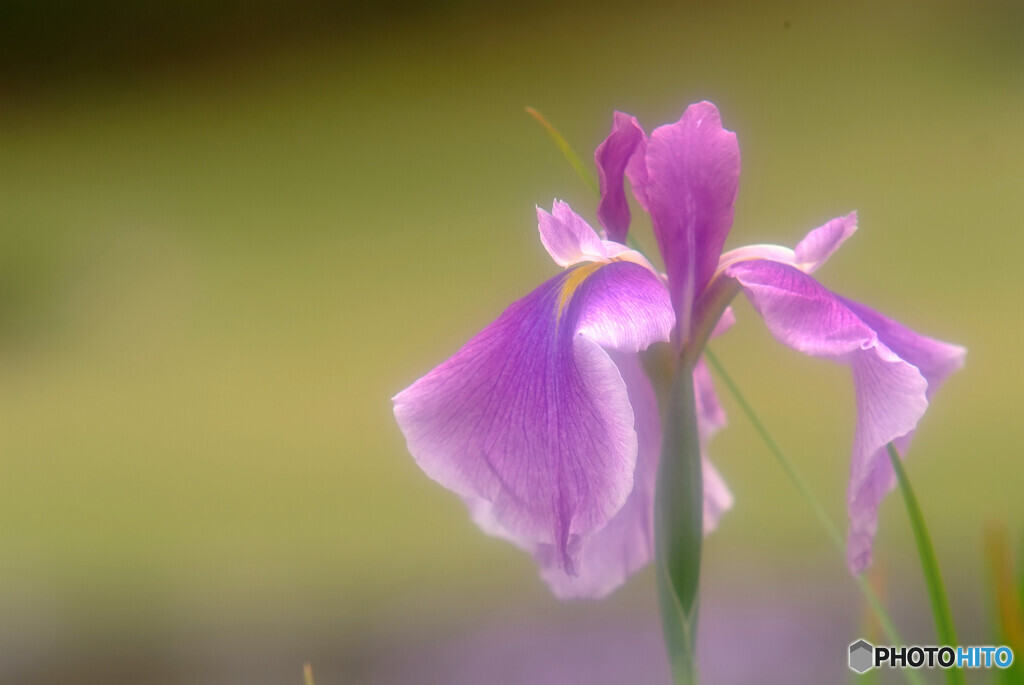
column 46, row 42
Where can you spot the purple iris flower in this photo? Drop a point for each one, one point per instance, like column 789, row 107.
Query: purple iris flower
column 546, row 424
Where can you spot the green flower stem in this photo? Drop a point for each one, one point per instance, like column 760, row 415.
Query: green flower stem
column 679, row 528
column 891, row 634
column 944, row 629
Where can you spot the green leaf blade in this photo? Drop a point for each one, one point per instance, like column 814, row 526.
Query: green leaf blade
column 944, row 630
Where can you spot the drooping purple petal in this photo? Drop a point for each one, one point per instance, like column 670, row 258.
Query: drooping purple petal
column 717, row 496
column 692, row 175
column 626, row 324
column 611, row 158
column 710, row 415
column 530, row 420
column 936, row 360
column 892, row 390
column 626, row 544
column 726, row 321
column 610, row 556
column 710, row 419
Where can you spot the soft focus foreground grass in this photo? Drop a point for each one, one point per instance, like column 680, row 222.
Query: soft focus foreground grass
column 213, row 282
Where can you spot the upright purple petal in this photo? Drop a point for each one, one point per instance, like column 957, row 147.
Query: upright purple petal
column 611, row 158
column 692, row 175
column 810, row 253
column 570, row 240
column 567, row 237
column 819, row 244
column 894, row 371
column 530, row 422
column 636, row 172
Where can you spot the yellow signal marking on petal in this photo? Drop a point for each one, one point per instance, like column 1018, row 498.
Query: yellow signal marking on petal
column 573, row 281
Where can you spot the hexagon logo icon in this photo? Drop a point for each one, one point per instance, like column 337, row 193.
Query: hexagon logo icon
column 861, row 656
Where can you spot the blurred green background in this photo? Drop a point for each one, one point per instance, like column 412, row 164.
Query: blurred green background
column 230, row 233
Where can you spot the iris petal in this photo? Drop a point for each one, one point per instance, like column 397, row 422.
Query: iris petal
column 689, row 184
column 570, row 240
column 895, row 371
column 530, row 422
column 822, row 242
column 611, row 157
column 567, row 237
column 626, row 544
